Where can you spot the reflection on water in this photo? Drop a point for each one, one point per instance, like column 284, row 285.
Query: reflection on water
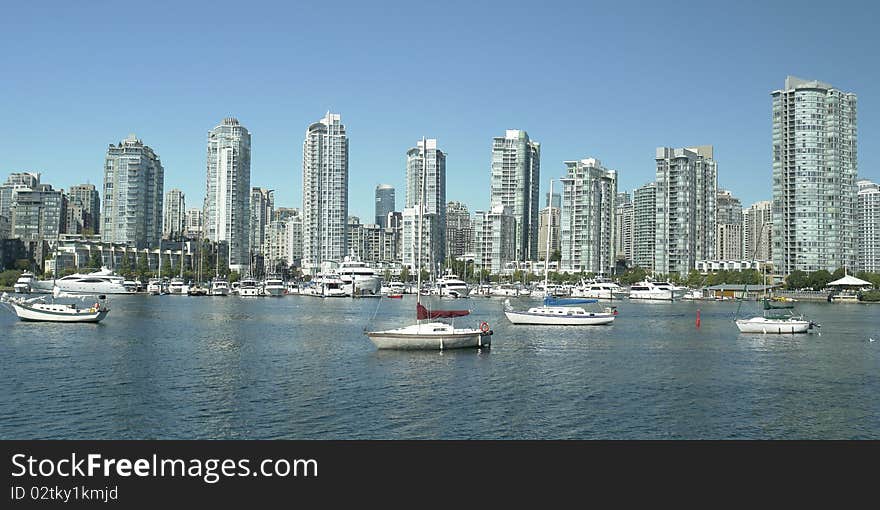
column 300, row 367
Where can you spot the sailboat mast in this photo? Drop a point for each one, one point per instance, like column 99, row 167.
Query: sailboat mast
column 549, row 230
column 421, row 214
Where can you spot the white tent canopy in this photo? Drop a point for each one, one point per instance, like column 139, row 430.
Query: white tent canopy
column 849, row 281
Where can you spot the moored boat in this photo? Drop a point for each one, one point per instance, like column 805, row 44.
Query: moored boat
column 38, row 310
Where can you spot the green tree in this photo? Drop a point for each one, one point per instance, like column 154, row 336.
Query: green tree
column 143, row 268
column 838, row 274
column 797, row 280
column 694, row 279
column 425, row 275
column 818, row 280
column 9, row 277
column 556, row 256
column 234, row 276
column 95, row 260
column 125, row 266
column 21, row 265
column 404, row 274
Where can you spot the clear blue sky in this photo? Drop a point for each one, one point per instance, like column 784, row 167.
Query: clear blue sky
column 611, row 80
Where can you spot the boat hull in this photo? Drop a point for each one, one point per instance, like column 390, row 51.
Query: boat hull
column 275, row 291
column 527, row 318
column 29, row 314
column 430, row 337
column 772, row 326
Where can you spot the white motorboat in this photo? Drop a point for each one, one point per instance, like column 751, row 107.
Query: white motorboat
column 659, row 291
column 38, row 310
column 693, row 294
column 450, row 285
column 155, row 286
column 484, row 290
column 765, row 325
column 547, row 315
column 23, row 284
column 293, row 287
column 547, row 289
column 359, row 279
column 98, row 282
column 178, row 287
column 132, row 285
column 248, row 287
column 598, row 290
column 430, row 335
column 219, row 287
column 274, row 286
column 509, row 290
column 330, row 285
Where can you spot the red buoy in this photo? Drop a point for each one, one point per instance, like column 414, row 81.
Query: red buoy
column 698, row 317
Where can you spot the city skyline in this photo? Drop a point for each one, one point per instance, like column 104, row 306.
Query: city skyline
column 177, row 108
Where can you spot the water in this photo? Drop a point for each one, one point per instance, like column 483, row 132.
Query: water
column 300, row 368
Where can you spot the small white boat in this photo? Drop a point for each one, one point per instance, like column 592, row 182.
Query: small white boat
column 767, row 325
column 23, row 284
column 219, row 287
column 450, row 285
column 274, row 286
column 248, row 287
column 508, row 290
column 431, row 336
column 659, row 291
column 37, row 310
column 549, row 315
column 178, row 287
column 155, row 286
column 598, row 290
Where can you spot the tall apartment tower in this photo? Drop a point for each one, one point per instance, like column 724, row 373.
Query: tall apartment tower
column 514, row 183
column 459, row 230
column 868, row 234
column 194, row 220
column 227, row 196
column 83, row 209
column 548, row 225
column 758, row 231
column 428, row 160
column 262, row 208
column 494, row 237
column 645, row 226
column 587, row 223
column 814, row 174
column 686, row 200
column 16, row 181
column 174, row 223
column 728, row 227
column 325, row 193
column 623, row 228
column 134, row 181
column 384, row 203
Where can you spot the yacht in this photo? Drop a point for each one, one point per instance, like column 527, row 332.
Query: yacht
column 98, row 282
column 484, row 290
column 358, row 277
column 23, row 284
column 293, row 287
column 659, row 291
column 132, row 285
column 178, row 287
column 450, row 285
column 155, row 287
column 598, row 290
column 330, row 285
column 274, row 286
column 248, row 287
column 395, row 288
column 219, row 287
column 543, row 290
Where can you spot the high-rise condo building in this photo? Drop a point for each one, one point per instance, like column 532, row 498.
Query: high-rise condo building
column 174, row 224
column 38, row 214
column 134, row 181
column 514, row 182
column 325, row 193
column 83, row 210
column 644, row 226
column 868, row 234
column 758, row 231
column 587, row 222
column 16, row 181
column 686, row 199
column 814, row 173
column 227, row 196
column 548, row 225
column 494, row 239
column 623, row 228
column 194, row 223
column 428, row 161
column 384, row 203
column 262, row 208
column 459, row 230
column 728, row 227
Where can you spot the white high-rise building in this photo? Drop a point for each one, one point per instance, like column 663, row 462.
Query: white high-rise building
column 514, row 182
column 494, row 239
column 133, row 192
column 728, row 227
column 814, row 174
column 686, row 199
column 587, row 223
column 227, row 197
column 430, row 236
column 868, row 235
column 645, row 226
column 194, row 223
column 426, row 159
column 623, row 228
column 758, row 231
column 16, row 181
column 262, row 207
column 548, row 225
column 174, row 223
column 325, row 193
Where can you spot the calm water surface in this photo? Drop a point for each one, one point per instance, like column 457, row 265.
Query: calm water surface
column 300, row 368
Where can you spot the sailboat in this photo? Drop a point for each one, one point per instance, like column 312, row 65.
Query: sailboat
column 777, row 317
column 558, row 311
column 427, row 333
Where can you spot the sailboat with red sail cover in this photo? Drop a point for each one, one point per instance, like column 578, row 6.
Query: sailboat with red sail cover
column 428, row 333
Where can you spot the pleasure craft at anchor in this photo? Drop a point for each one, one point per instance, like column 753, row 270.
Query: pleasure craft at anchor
column 557, row 312
column 219, row 287
column 248, row 287
column 38, row 310
column 274, row 286
column 23, row 284
column 358, row 278
column 99, row 282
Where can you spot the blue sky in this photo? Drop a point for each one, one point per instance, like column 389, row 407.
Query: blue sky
column 611, row 80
